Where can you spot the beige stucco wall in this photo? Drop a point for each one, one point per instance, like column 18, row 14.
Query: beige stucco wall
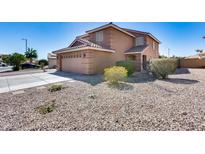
column 52, row 62
column 150, row 52
column 101, row 60
column 120, row 42
column 192, row 63
column 106, row 38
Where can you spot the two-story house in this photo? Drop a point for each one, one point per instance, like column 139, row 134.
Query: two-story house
column 103, row 46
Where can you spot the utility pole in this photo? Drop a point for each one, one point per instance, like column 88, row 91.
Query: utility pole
column 25, row 43
column 168, row 52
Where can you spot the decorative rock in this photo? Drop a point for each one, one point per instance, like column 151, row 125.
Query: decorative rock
column 18, row 92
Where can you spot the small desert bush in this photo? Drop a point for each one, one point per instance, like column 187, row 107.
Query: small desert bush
column 92, row 96
column 161, row 68
column 47, row 108
column 129, row 65
column 55, row 87
column 115, row 74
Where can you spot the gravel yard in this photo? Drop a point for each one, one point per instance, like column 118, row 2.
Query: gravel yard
column 142, row 103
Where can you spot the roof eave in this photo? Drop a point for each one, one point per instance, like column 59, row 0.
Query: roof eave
column 130, row 53
column 83, row 48
column 76, row 39
column 80, row 36
column 152, row 36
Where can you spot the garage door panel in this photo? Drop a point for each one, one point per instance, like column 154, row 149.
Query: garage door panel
column 73, row 65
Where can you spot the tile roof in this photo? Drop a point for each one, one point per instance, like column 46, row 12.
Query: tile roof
column 134, row 32
column 89, row 43
column 85, row 43
column 136, row 49
column 137, row 32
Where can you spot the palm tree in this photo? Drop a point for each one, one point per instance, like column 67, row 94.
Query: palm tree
column 199, row 50
column 30, row 54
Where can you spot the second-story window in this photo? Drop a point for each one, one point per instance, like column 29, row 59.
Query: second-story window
column 139, row 41
column 99, row 36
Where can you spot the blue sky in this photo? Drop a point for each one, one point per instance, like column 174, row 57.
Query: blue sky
column 181, row 38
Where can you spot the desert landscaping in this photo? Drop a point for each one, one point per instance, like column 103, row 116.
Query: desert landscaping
column 140, row 103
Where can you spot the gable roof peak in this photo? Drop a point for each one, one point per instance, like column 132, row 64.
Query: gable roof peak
column 109, row 25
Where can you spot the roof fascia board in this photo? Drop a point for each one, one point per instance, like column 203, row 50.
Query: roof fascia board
column 86, row 48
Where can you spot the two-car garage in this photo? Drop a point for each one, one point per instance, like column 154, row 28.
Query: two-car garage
column 85, row 61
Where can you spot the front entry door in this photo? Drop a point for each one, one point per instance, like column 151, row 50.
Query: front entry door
column 144, row 58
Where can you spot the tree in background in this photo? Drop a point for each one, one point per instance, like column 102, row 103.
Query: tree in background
column 16, row 60
column 162, row 56
column 30, row 54
column 6, row 59
column 43, row 61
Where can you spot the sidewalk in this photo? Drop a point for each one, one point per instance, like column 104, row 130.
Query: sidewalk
column 26, row 71
column 17, row 82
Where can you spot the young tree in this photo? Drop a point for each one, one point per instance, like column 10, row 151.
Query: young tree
column 30, row 54
column 16, row 59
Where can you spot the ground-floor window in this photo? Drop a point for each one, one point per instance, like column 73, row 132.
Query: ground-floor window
column 131, row 57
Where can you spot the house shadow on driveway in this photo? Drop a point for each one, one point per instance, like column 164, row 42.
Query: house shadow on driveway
column 182, row 71
column 139, row 77
column 99, row 78
column 90, row 79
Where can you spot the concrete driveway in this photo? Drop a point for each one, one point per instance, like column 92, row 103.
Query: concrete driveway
column 12, row 83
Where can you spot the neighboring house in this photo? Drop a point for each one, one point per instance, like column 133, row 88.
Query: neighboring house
column 196, row 61
column 103, row 46
column 52, row 60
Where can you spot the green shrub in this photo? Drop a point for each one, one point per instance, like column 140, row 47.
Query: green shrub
column 178, row 62
column 16, row 68
column 55, row 87
column 16, row 60
column 47, row 108
column 129, row 65
column 115, row 74
column 161, row 68
column 43, row 62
